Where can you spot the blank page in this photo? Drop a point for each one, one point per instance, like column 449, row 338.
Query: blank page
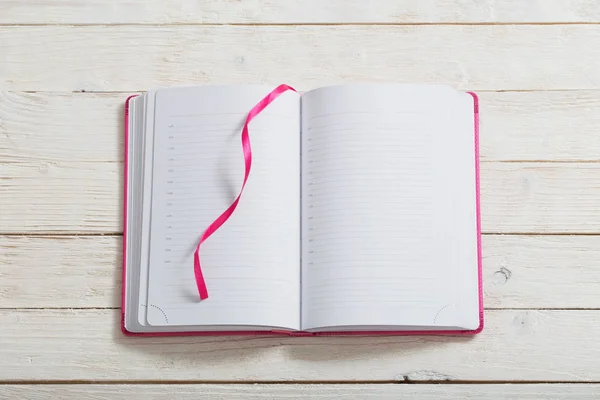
column 389, row 208
column 251, row 264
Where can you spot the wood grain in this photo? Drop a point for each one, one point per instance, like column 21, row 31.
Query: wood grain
column 87, row 345
column 540, row 126
column 296, row 12
column 82, row 197
column 130, row 58
column 515, row 126
column 519, row 271
column 61, row 197
column 54, row 127
column 60, row 271
column 541, row 271
column 540, row 197
column 300, row 391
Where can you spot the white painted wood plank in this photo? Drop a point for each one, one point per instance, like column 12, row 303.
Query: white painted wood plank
column 87, row 197
column 61, row 197
column 519, row 271
column 540, row 126
column 540, row 197
column 305, row 11
column 521, row 126
column 541, row 271
column 65, row 58
column 301, row 391
column 60, row 271
column 54, row 127
column 87, row 344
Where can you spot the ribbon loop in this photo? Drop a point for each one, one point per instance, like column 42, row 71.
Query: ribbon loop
column 216, row 224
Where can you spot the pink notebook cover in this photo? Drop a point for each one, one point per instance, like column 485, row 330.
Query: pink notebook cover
column 288, row 333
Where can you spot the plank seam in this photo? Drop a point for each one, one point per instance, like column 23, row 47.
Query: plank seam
column 295, row 24
column 286, row 382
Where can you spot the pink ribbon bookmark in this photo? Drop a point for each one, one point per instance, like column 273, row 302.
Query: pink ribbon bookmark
column 212, row 228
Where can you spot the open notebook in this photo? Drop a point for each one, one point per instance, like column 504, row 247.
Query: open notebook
column 360, row 215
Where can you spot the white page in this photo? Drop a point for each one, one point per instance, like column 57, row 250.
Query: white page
column 389, row 208
column 133, row 229
column 141, row 120
column 251, row 264
column 146, row 183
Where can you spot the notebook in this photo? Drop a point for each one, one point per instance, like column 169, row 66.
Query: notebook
column 359, row 215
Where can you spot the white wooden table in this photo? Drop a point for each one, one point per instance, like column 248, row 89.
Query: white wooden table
column 67, row 66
